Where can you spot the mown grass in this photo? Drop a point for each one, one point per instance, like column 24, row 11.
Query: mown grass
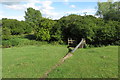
column 90, row 63
column 30, row 61
column 34, row 61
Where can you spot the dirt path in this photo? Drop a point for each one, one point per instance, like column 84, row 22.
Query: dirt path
column 56, row 65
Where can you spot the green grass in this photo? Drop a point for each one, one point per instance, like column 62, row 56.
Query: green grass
column 30, row 61
column 90, row 63
column 34, row 61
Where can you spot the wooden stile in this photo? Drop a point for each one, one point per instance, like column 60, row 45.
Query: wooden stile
column 80, row 45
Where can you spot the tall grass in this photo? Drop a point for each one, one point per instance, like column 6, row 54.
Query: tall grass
column 20, row 42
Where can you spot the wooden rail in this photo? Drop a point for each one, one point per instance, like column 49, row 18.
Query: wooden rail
column 82, row 42
column 70, row 41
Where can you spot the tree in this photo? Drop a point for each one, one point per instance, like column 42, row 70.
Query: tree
column 114, row 12
column 109, row 10
column 16, row 27
column 32, row 16
column 77, row 27
column 56, row 33
column 42, row 32
column 27, row 28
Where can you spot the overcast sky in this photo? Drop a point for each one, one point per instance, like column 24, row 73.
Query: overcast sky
column 15, row 9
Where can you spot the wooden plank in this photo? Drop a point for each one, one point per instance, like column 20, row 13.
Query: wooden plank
column 82, row 41
column 71, row 40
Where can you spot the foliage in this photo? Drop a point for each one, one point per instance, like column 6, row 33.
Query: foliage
column 107, row 34
column 96, row 31
column 54, row 43
column 77, row 27
column 0, row 23
column 6, row 34
column 44, row 29
column 42, row 34
column 32, row 15
column 109, row 10
column 26, row 27
column 16, row 27
column 6, row 44
column 17, row 41
column 56, row 32
column 1, row 36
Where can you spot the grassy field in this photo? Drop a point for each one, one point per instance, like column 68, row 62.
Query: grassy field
column 34, row 61
column 30, row 61
column 90, row 63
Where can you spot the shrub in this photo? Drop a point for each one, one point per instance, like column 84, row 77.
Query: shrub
column 6, row 34
column 89, row 46
column 6, row 44
column 16, row 27
column 43, row 31
column 15, row 41
column 54, row 42
column 21, row 42
column 117, row 42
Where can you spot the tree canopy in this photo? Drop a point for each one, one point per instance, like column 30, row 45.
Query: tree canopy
column 32, row 15
column 109, row 10
column 96, row 31
column 44, row 29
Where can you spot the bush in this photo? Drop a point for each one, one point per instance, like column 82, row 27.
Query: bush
column 44, row 29
column 54, row 43
column 43, row 35
column 10, row 43
column 89, row 46
column 61, row 42
column 6, row 44
column 20, row 42
column 6, row 34
column 117, row 42
column 16, row 27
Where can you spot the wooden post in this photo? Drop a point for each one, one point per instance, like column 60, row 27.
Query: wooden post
column 68, row 41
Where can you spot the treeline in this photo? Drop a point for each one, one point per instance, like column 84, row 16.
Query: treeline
column 97, row 31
